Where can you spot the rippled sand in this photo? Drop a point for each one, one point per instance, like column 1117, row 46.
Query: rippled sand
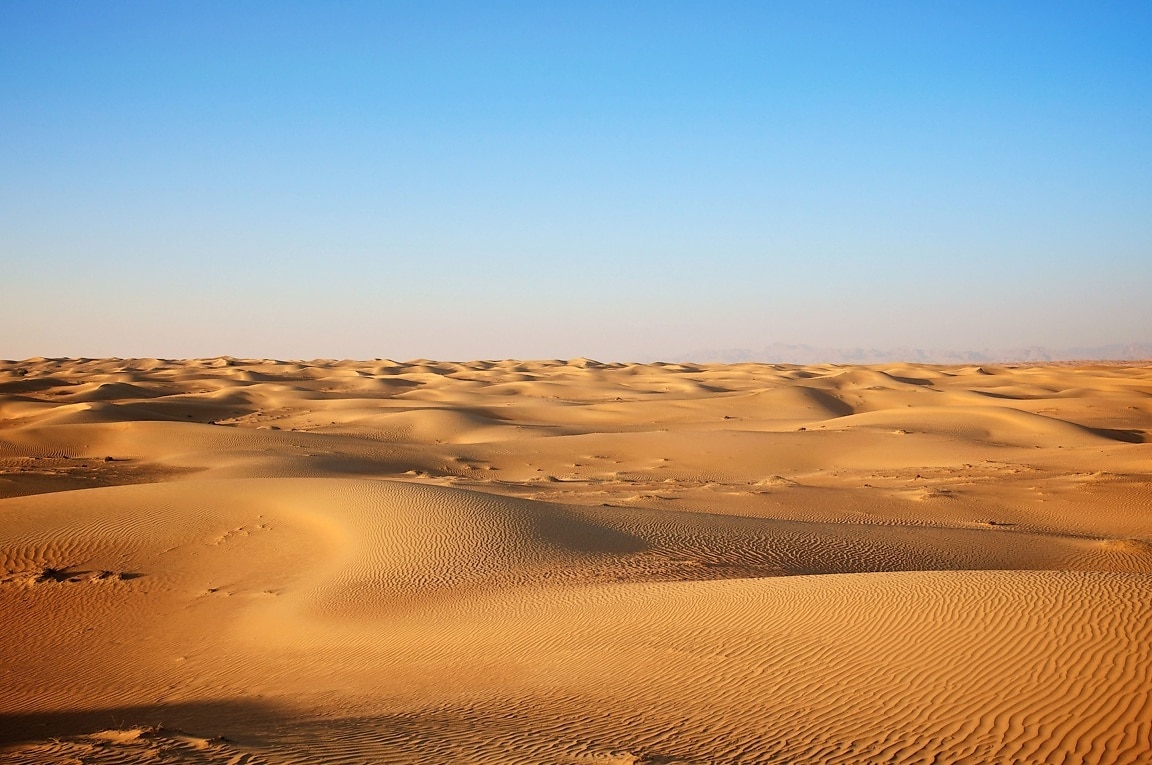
column 249, row 561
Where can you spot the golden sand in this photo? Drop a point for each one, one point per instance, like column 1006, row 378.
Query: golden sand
column 250, row 561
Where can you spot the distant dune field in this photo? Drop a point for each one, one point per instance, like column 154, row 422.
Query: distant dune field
column 250, row 561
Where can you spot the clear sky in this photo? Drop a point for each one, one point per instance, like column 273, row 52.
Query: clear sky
column 621, row 180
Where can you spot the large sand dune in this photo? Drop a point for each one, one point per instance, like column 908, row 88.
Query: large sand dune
column 249, row 561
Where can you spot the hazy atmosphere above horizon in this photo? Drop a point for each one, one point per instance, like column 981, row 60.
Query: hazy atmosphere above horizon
column 626, row 181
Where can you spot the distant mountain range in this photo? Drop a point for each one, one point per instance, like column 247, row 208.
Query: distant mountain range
column 782, row 353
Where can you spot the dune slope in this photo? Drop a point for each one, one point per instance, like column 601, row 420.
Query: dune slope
column 252, row 561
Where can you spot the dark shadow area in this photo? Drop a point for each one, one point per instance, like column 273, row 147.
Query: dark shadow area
column 48, row 574
column 352, row 466
column 1006, row 396
column 34, row 385
column 568, row 528
column 46, row 476
column 1125, row 436
column 909, row 380
column 235, row 720
column 833, row 404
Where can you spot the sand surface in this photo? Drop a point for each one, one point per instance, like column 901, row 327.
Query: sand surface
column 248, row 561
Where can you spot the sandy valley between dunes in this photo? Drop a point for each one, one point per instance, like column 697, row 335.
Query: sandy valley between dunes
column 249, row 561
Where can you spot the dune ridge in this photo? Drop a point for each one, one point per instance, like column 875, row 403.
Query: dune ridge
column 259, row 561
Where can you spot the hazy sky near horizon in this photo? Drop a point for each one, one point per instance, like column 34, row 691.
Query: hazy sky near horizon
column 625, row 181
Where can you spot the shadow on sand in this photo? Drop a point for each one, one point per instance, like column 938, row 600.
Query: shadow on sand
column 230, row 719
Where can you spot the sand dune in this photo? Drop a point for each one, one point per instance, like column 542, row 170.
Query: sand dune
column 252, row 561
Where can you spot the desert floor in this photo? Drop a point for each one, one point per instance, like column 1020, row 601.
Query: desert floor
column 248, row 561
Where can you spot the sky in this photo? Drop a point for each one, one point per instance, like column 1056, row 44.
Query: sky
column 618, row 180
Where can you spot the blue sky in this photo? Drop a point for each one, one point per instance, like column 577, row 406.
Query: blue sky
column 617, row 180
